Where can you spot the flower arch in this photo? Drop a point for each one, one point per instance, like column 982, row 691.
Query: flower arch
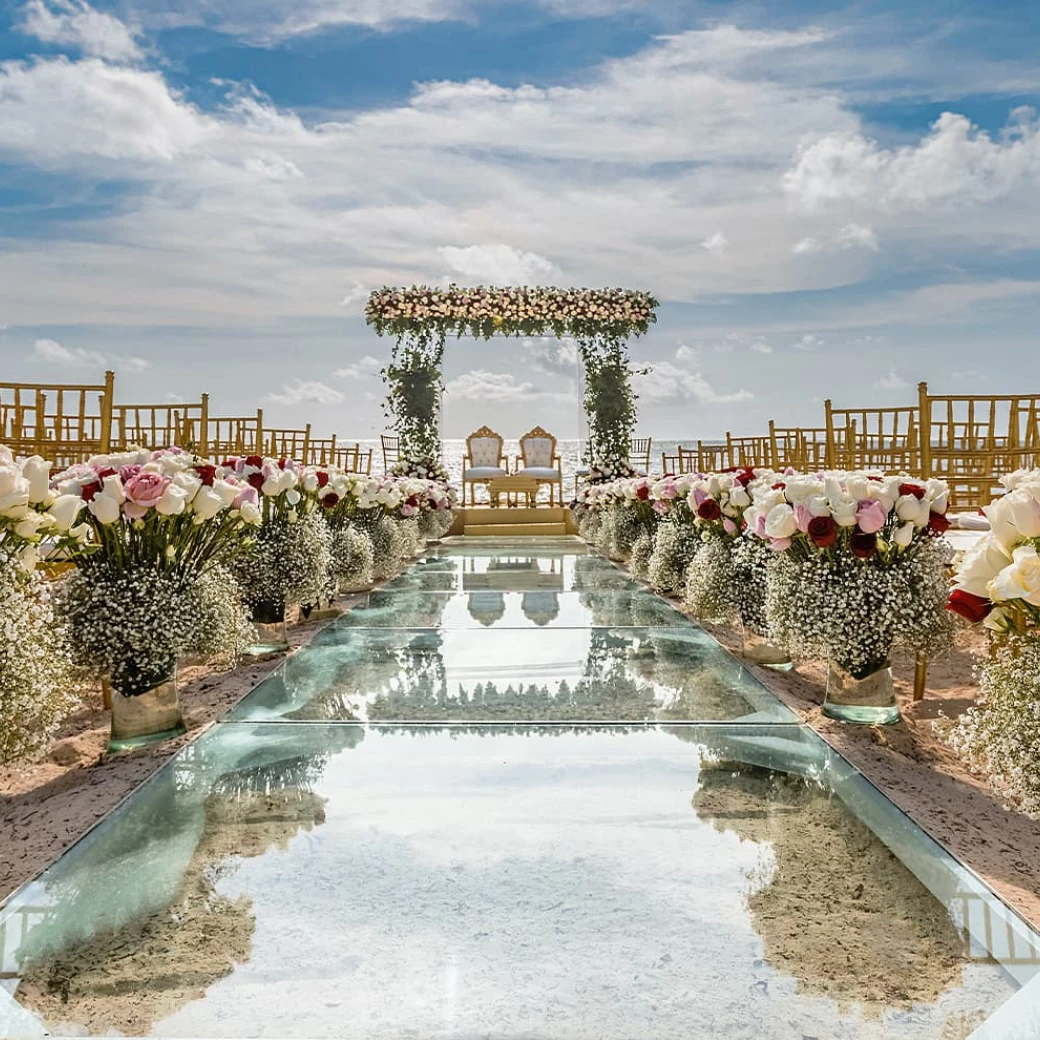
column 599, row 320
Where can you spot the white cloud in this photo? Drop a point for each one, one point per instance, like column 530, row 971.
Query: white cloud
column 687, row 354
column 668, row 382
column 852, row 236
column 174, row 399
column 363, row 368
column 557, row 356
column 968, row 375
column 760, row 346
column 484, row 386
column 715, row 243
column 956, row 163
column 498, row 265
column 355, row 298
column 892, row 380
column 810, row 341
column 53, row 353
column 305, row 392
column 806, row 245
column 73, row 23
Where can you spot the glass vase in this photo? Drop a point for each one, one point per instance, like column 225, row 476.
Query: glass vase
column 146, row 718
column 870, row 701
column 759, row 650
column 272, row 636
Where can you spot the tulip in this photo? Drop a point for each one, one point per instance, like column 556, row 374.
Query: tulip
column 37, row 472
column 106, row 509
column 64, row 510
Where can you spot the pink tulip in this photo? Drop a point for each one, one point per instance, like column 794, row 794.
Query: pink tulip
column 247, row 494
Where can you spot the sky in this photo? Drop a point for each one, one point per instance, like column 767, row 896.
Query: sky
column 829, row 200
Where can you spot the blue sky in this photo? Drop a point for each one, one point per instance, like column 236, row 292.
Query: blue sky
column 829, row 200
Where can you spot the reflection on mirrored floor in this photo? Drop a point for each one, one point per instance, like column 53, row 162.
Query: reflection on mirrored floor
column 328, row 881
column 498, row 674
column 488, row 803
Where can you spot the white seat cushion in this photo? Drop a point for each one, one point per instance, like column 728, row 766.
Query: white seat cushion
column 542, row 472
column 483, row 473
column 584, row 472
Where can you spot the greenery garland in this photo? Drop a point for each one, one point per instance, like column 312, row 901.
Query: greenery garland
column 599, row 320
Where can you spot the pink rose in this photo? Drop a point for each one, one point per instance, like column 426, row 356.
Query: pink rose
column 760, row 525
column 129, row 471
column 802, row 517
column 699, row 497
column 780, row 544
column 408, row 510
column 247, row 494
column 145, row 489
column 871, row 516
column 660, row 507
column 728, row 526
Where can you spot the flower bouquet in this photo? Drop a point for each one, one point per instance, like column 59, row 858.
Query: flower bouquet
column 153, row 524
column 288, row 561
column 857, row 571
column 343, row 498
column 997, row 584
column 38, row 684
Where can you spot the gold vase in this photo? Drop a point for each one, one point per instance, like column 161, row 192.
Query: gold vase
column 146, row 718
column 870, row 701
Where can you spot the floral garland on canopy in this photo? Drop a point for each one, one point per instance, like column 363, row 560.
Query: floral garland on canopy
column 599, row 320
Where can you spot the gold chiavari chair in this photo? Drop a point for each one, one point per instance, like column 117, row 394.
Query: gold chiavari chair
column 687, row 460
column 711, row 457
column 65, row 423
column 669, row 464
column 800, row 448
column 887, row 439
column 230, row 436
column 391, row 451
column 288, row 444
column 753, row 452
column 321, row 451
column 639, row 454
column 352, row 458
column 162, row 426
column 970, row 441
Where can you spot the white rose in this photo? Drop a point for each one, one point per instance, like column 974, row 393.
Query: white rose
column 739, row 497
column 1002, row 523
column 29, row 527
column 844, row 511
column 780, row 522
column 1020, row 580
column 310, row 482
column 818, row 506
column 28, row 558
column 981, row 563
column 1025, row 512
column 113, row 487
column 37, row 472
column 904, row 535
column 228, row 492
column 251, row 513
column 938, row 492
column 172, row 502
column 106, row 509
column 14, row 505
column 64, row 510
column 292, row 497
column 912, row 510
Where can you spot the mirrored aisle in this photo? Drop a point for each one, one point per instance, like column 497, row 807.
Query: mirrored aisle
column 561, row 811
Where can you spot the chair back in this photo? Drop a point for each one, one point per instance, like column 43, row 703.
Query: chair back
column 64, row 423
column 391, row 451
column 162, row 426
column 538, row 448
column 639, row 453
column 669, row 464
column 801, row 448
column 711, row 457
column 971, row 441
column 687, row 460
column 753, row 452
column 484, row 447
column 887, row 439
column 289, row 444
column 321, row 451
column 236, row 435
column 353, row 459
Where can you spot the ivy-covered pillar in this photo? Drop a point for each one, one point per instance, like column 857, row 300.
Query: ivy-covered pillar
column 413, row 400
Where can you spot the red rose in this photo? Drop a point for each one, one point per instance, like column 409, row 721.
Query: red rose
column 256, row 480
column 973, row 608
column 281, row 463
column 330, row 501
column 108, row 471
column 912, row 489
column 823, row 531
column 779, row 486
column 88, row 491
column 207, row 474
column 642, row 493
column 255, row 460
column 938, row 524
column 745, row 476
column 863, row 545
column 709, row 510
column 323, row 478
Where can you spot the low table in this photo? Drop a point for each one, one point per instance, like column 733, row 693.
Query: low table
column 512, row 486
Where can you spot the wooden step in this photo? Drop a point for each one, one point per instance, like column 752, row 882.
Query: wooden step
column 528, row 530
column 491, row 515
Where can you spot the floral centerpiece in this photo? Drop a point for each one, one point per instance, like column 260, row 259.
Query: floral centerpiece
column 155, row 523
column 38, row 685
column 344, row 499
column 288, row 561
column 997, row 584
column 857, row 571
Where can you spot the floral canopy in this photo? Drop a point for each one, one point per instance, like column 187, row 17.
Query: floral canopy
column 599, row 320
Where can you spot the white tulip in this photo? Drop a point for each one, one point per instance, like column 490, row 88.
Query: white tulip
column 173, row 501
column 251, row 514
column 292, row 497
column 64, row 510
column 228, row 492
column 37, row 472
column 904, row 535
column 106, row 509
column 207, row 503
column 15, row 504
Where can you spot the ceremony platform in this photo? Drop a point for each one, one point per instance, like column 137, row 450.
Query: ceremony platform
column 501, row 521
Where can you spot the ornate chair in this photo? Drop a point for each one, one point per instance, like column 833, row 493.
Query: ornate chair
column 538, row 459
column 484, row 460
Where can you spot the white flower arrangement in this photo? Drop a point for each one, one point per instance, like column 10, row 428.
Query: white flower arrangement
column 352, row 557
column 390, row 547
column 642, row 551
column 999, row 735
column 38, row 684
column 674, row 547
column 750, row 569
column 709, row 586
